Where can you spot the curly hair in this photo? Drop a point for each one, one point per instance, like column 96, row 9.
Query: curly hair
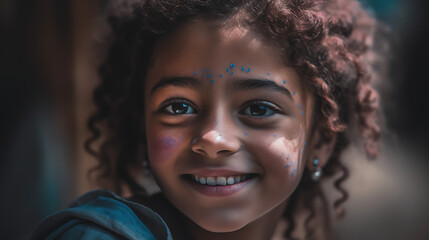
column 330, row 44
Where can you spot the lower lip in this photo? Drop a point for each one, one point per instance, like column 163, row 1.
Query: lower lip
column 220, row 191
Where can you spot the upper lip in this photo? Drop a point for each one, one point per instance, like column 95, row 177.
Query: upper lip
column 213, row 172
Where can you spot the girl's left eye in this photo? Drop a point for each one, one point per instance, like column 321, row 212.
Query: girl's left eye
column 260, row 109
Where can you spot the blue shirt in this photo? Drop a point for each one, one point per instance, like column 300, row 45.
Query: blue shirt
column 101, row 214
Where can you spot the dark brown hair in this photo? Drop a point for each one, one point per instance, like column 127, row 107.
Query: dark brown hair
column 329, row 43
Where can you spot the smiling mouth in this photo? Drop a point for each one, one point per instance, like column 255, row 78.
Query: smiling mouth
column 219, row 180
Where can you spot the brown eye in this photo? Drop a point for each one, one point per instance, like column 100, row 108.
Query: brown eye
column 259, row 109
column 179, row 108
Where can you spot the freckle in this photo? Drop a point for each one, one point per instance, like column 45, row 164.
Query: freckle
column 220, row 75
column 284, row 81
column 212, row 81
column 242, row 68
column 248, row 70
column 227, row 69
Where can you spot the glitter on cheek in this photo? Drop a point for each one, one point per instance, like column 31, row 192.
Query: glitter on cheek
column 165, row 147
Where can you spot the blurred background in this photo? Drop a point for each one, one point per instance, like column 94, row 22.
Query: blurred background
column 47, row 73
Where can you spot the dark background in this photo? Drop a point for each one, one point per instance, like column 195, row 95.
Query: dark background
column 47, row 71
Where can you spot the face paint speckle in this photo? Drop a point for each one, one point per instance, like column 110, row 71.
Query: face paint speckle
column 220, row 75
column 212, row 81
column 232, row 66
column 268, row 74
column 248, row 70
column 245, row 134
column 230, row 73
column 227, row 69
column 195, row 73
column 293, row 93
column 284, row 81
column 242, row 68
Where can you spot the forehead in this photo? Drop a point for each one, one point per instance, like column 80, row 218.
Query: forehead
column 206, row 42
column 201, row 44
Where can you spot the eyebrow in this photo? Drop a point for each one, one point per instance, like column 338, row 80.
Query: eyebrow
column 176, row 81
column 246, row 84
column 236, row 84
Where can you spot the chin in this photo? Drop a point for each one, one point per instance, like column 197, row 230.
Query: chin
column 221, row 225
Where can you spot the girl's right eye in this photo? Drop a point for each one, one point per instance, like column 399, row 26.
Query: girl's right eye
column 179, row 107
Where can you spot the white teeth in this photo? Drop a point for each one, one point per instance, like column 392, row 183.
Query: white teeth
column 202, row 180
column 230, row 180
column 220, row 181
column 211, row 181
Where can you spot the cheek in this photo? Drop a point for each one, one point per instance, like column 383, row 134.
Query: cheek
column 162, row 148
column 280, row 156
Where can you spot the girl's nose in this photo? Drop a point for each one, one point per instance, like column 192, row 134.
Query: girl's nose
column 216, row 141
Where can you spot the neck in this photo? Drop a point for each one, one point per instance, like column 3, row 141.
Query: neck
column 262, row 228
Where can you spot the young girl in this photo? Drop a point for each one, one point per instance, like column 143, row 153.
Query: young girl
column 239, row 109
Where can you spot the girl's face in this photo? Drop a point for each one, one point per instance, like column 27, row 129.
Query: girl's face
column 226, row 123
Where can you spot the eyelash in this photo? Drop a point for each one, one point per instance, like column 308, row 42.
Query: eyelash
column 270, row 106
column 171, row 101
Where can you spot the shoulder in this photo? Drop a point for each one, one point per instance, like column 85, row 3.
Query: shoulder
column 101, row 214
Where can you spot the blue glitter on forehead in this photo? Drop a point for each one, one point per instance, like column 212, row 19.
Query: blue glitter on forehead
column 227, row 69
column 293, row 174
column 268, row 74
column 294, row 169
column 205, row 75
column 299, row 104
column 220, row 75
column 245, row 134
column 275, row 135
column 305, row 143
column 212, row 81
column 207, row 70
column 195, row 73
column 293, row 93
column 287, row 165
column 300, row 107
column 248, row 70
column 232, row 66
column 284, row 81
column 242, row 68
column 230, row 73
column 303, row 113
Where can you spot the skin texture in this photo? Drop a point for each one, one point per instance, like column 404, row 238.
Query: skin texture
column 219, row 132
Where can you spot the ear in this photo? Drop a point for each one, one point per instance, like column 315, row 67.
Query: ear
column 322, row 148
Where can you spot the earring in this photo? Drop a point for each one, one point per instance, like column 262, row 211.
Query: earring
column 317, row 171
column 146, row 168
